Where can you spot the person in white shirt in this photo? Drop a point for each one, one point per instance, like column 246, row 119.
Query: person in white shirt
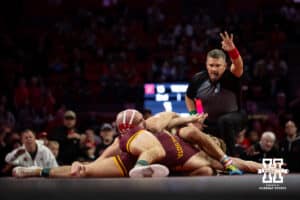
column 31, row 154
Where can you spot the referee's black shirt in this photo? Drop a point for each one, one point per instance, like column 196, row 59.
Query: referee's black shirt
column 218, row 98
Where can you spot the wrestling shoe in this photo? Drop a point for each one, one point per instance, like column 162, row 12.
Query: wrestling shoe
column 154, row 170
column 22, row 172
column 233, row 170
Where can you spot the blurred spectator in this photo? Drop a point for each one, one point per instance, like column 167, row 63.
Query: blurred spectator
column 3, row 100
column 168, row 72
column 25, row 116
column 68, row 139
column 289, row 146
column 21, row 95
column 6, row 117
column 40, row 119
column 31, row 153
column 35, row 94
column 294, row 106
column 43, row 137
column 253, row 137
column 294, row 162
column 54, row 148
column 265, row 148
column 257, row 126
column 13, row 140
column 289, row 11
column 3, row 149
column 49, row 102
column 89, row 145
column 240, row 144
column 9, row 141
column 107, row 134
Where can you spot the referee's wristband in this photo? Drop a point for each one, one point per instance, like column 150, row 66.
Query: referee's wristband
column 234, row 53
column 193, row 112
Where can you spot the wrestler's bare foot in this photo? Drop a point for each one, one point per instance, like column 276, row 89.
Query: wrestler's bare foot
column 22, row 172
column 154, row 170
column 78, row 169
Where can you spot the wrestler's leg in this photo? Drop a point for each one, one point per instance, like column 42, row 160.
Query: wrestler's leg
column 149, row 151
column 60, row 172
column 245, row 165
column 55, row 172
column 153, row 154
column 202, row 171
column 195, row 136
column 116, row 166
column 196, row 162
column 145, row 166
column 109, row 167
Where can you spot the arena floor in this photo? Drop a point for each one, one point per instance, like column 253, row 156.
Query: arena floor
column 198, row 188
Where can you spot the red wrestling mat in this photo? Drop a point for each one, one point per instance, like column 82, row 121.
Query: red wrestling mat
column 183, row 188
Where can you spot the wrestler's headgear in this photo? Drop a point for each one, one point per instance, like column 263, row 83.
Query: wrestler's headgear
column 127, row 120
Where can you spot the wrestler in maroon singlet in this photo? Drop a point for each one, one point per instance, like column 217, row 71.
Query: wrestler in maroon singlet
column 177, row 150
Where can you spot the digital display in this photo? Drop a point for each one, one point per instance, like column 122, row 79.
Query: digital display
column 160, row 97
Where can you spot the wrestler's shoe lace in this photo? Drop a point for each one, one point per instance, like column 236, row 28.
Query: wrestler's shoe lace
column 233, row 170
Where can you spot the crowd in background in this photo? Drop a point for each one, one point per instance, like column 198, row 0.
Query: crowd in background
column 104, row 56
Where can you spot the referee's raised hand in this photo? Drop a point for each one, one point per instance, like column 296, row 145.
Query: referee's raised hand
column 227, row 41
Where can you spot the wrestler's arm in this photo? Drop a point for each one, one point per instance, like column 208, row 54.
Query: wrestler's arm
column 190, row 104
column 182, row 121
column 112, row 150
column 160, row 121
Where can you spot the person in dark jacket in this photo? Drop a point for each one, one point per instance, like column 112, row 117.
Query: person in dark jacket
column 290, row 146
column 68, row 139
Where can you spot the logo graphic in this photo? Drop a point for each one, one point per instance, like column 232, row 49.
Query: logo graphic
column 272, row 173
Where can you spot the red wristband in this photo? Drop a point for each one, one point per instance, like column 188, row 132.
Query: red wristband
column 199, row 106
column 234, row 53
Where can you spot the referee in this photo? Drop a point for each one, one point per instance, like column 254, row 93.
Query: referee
column 216, row 91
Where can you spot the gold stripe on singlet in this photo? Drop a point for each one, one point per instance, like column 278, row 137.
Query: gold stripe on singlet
column 122, row 165
column 118, row 165
column 131, row 139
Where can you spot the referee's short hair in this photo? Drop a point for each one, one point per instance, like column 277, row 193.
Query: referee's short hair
column 216, row 53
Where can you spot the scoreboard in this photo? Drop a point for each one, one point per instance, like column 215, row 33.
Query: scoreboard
column 160, row 97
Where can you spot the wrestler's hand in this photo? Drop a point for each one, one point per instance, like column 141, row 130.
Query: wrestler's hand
column 77, row 169
column 202, row 117
column 198, row 118
column 227, row 41
column 199, row 121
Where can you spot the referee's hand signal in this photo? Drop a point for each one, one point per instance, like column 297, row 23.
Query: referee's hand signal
column 227, row 41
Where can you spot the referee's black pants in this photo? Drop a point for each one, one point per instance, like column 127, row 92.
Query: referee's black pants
column 227, row 128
